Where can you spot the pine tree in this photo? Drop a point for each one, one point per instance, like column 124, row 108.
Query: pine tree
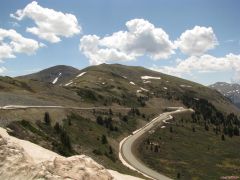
column 193, row 129
column 104, row 139
column 206, row 127
column 47, row 119
column 65, row 139
column 57, row 127
column 230, row 130
column 125, row 118
column 110, row 150
column 99, row 120
column 223, row 137
column 236, row 131
column 110, row 112
column 69, row 122
column 178, row 175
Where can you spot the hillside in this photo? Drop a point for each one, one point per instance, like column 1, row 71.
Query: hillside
column 119, row 84
column 189, row 148
column 119, row 98
column 231, row 91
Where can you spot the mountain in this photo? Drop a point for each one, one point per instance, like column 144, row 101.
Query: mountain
column 56, row 75
column 123, row 85
column 231, row 91
column 89, row 111
column 105, row 84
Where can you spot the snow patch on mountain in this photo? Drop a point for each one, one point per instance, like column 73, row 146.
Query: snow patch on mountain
column 149, row 77
column 143, row 89
column 67, row 84
column 146, row 82
column 81, row 74
column 132, row 83
column 184, row 85
column 56, row 79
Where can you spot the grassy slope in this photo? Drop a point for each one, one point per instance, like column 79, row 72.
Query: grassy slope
column 107, row 82
column 85, row 136
column 195, row 155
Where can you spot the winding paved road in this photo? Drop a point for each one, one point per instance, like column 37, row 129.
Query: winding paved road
column 125, row 149
column 126, row 154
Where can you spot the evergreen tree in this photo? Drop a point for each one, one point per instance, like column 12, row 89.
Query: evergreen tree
column 57, row 127
column 47, row 119
column 69, row 122
column 178, row 175
column 236, row 131
column 206, row 127
column 110, row 150
column 65, row 139
column 225, row 130
column 99, row 120
column 104, row 139
column 230, row 130
column 125, row 118
column 110, row 112
column 151, row 147
column 223, row 137
column 193, row 129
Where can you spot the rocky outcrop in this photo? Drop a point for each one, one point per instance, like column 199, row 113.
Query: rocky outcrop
column 24, row 160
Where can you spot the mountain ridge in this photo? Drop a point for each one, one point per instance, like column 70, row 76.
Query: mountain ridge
column 229, row 90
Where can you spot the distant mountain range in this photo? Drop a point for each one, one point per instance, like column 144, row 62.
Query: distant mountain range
column 231, row 91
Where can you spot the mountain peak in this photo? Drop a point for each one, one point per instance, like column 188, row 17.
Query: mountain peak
column 56, row 74
column 229, row 90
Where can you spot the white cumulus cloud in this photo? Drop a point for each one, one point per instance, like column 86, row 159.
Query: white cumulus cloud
column 89, row 45
column 2, row 69
column 197, row 41
column 141, row 38
column 12, row 42
column 203, row 64
column 50, row 24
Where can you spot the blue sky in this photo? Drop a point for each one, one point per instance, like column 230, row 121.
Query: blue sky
column 103, row 18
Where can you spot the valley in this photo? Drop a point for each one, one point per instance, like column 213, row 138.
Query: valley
column 90, row 111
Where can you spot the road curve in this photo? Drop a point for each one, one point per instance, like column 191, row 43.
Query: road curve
column 125, row 148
